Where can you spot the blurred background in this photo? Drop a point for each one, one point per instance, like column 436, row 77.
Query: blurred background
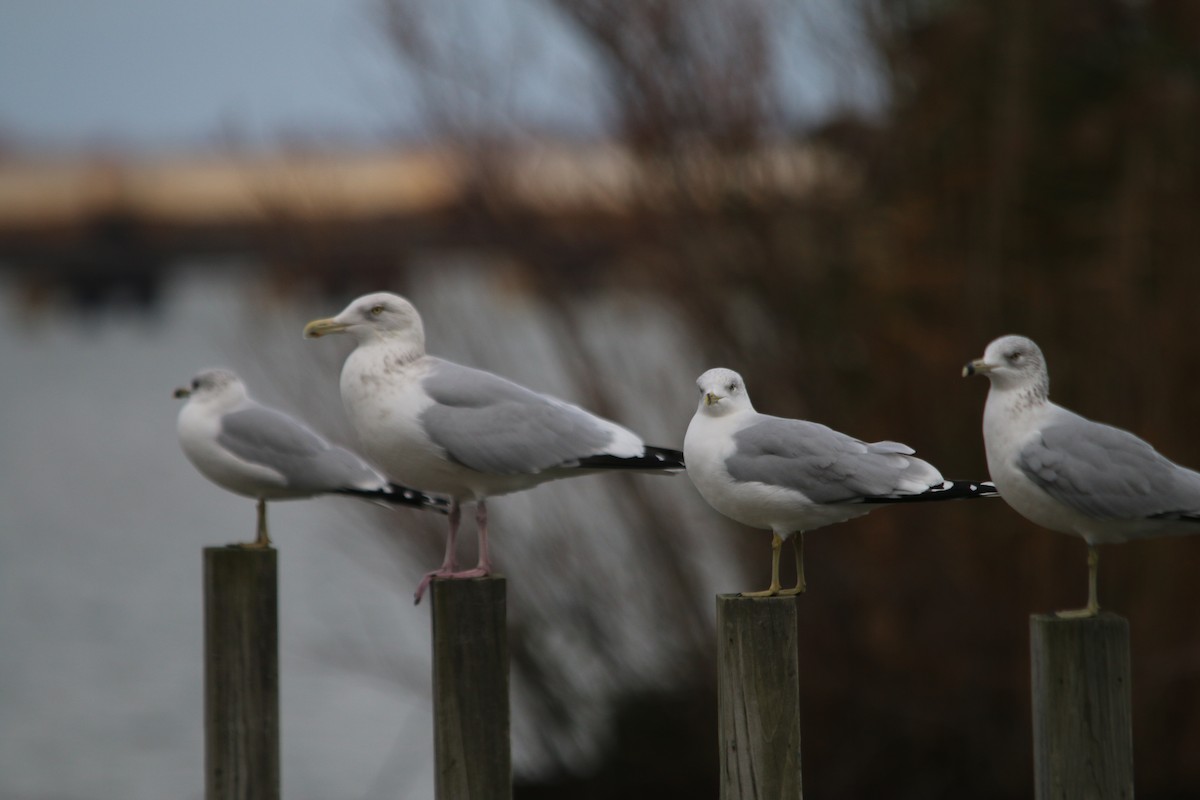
column 600, row 199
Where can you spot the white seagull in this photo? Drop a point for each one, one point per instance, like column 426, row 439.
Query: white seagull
column 464, row 432
column 259, row 452
column 1070, row 474
column 791, row 476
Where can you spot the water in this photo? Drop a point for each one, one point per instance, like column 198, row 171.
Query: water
column 103, row 521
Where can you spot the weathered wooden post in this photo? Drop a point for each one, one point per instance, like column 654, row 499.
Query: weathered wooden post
column 472, row 750
column 1082, row 711
column 758, row 698
column 241, row 674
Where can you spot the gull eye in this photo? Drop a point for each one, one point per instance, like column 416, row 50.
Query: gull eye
column 732, row 388
column 1014, row 356
column 376, row 310
column 195, row 384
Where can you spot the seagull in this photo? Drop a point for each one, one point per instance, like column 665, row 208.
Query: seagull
column 259, row 452
column 461, row 431
column 791, row 476
column 1070, row 474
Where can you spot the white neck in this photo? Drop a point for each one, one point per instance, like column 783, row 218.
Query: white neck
column 1005, row 403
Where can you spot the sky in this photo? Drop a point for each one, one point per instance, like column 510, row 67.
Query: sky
column 78, row 74
column 163, row 73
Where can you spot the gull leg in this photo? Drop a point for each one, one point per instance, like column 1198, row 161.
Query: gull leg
column 485, row 560
column 484, row 567
column 262, row 540
column 801, row 584
column 448, row 562
column 773, row 589
column 448, row 569
column 1093, row 604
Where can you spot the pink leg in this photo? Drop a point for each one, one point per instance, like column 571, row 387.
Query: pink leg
column 448, row 563
column 447, row 570
column 485, row 561
column 484, row 567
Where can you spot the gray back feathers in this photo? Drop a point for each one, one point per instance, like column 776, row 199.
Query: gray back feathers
column 307, row 462
column 823, row 464
column 1107, row 473
column 493, row 425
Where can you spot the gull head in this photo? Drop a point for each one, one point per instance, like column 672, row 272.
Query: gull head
column 1012, row 362
column 722, row 391
column 213, row 385
column 374, row 316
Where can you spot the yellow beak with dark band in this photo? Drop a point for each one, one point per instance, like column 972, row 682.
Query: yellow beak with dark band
column 976, row 367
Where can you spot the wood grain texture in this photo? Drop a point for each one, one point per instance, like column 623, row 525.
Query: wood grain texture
column 1082, row 708
column 758, row 697
column 241, row 674
column 472, row 750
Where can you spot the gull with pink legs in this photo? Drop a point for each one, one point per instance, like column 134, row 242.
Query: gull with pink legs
column 463, row 432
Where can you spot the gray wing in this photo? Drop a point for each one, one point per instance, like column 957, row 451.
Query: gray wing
column 493, row 425
column 307, row 462
column 825, row 465
column 1107, row 473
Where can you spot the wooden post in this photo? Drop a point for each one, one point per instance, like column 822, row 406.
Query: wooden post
column 758, row 698
column 1082, row 711
column 472, row 750
column 241, row 674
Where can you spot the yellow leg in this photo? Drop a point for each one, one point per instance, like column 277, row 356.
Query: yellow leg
column 1093, row 604
column 773, row 589
column 801, row 585
column 262, row 540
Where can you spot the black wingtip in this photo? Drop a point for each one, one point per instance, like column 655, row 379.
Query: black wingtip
column 397, row 495
column 654, row 458
column 949, row 490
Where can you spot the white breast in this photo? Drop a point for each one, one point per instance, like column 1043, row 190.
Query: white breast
column 198, row 430
column 707, row 445
column 384, row 403
column 1009, row 423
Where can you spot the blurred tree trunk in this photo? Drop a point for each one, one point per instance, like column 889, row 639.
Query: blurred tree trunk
column 1035, row 171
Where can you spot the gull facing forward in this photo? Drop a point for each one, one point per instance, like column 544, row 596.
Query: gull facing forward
column 791, row 476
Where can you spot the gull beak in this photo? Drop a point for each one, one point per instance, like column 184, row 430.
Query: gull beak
column 320, row 327
column 976, row 367
column 711, row 399
column 181, row 393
